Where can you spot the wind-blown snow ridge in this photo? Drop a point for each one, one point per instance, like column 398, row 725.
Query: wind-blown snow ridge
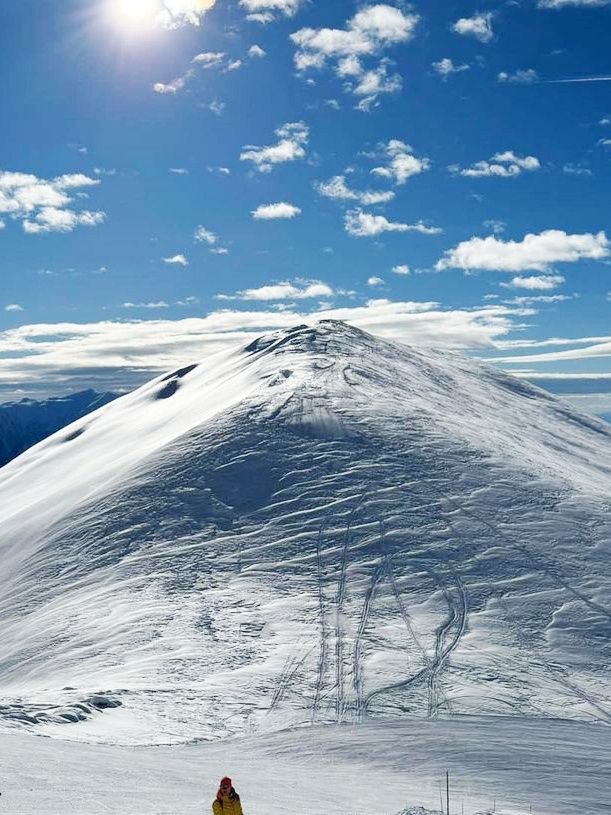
column 320, row 526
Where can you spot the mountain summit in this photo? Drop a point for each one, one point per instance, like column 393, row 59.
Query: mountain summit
column 320, row 526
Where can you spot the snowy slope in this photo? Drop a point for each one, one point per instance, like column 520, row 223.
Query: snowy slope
column 319, row 527
column 25, row 423
column 497, row 766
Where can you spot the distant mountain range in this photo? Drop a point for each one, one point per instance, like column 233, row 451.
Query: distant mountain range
column 25, row 423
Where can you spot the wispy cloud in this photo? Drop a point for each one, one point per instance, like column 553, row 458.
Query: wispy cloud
column 337, row 189
column 526, row 76
column 445, row 67
column 154, row 305
column 173, row 87
column 570, row 80
column 176, row 260
column 560, row 4
column 203, row 235
column 211, row 240
column 264, row 11
column 363, row 224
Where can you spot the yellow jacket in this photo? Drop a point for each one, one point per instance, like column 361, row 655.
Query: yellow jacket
column 227, row 804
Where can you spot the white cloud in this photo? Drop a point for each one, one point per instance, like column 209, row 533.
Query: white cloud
column 285, row 290
column 445, row 67
column 220, row 170
column 337, row 189
column 179, row 171
column 51, row 219
column 217, row 107
column 497, row 227
column 536, row 283
column 534, row 251
column 256, row 52
column 375, row 281
column 179, row 13
column 13, row 307
column 558, row 4
column 47, row 359
column 527, row 76
column 268, row 212
column 176, row 260
column 363, row 224
column 292, row 139
column 206, row 60
column 173, row 87
column 264, row 11
column 401, row 269
column 157, row 305
column 367, row 34
column 42, row 205
column 401, row 163
column 2, row 225
column 576, row 169
column 478, row 26
column 210, row 59
column 545, row 299
column 372, row 83
column 501, row 165
column 203, row 235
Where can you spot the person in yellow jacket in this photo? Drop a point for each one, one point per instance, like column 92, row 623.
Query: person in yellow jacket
column 227, row 801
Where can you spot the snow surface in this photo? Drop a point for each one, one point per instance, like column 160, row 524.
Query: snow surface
column 509, row 766
column 321, row 527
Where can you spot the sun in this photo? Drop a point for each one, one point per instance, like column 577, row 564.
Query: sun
column 134, row 15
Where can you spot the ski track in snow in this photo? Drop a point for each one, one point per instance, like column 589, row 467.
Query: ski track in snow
column 320, row 528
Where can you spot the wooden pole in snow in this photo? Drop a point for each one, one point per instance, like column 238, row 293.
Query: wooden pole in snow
column 447, row 792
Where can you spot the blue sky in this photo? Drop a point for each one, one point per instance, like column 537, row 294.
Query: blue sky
column 176, row 174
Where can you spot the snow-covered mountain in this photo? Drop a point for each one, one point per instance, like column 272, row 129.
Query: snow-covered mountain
column 319, row 527
column 25, row 423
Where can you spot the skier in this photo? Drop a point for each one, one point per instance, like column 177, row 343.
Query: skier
column 227, row 801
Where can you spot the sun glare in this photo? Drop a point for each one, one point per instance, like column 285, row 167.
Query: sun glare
column 134, row 15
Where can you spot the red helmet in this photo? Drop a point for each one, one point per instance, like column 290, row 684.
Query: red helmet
column 226, row 782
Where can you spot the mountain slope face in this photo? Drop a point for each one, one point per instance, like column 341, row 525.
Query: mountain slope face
column 25, row 423
column 321, row 526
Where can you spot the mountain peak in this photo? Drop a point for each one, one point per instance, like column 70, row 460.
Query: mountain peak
column 322, row 526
